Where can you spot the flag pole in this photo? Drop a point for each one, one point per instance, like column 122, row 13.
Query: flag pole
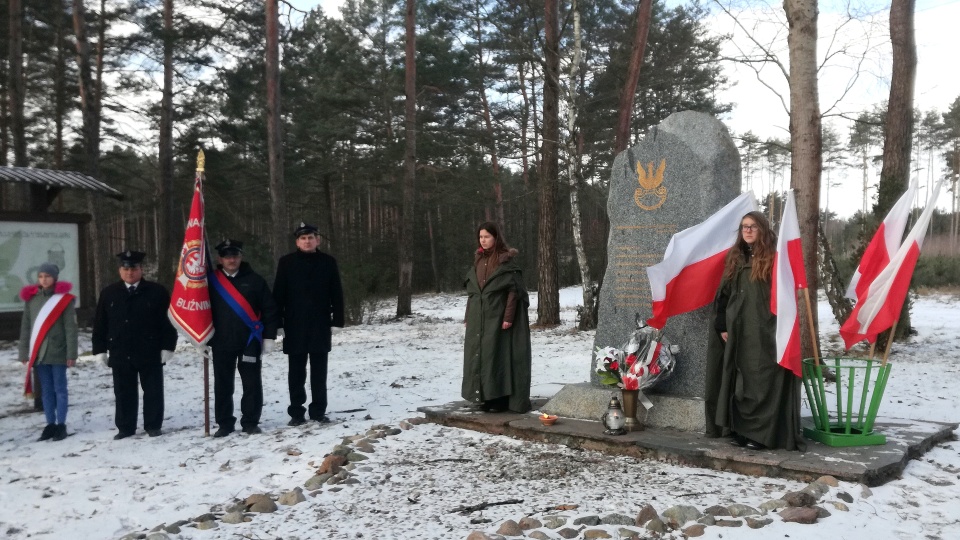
column 204, row 350
column 886, row 351
column 813, row 329
column 205, row 353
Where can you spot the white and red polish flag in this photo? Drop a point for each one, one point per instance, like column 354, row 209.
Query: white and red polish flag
column 190, row 299
column 879, row 307
column 692, row 266
column 883, row 246
column 789, row 275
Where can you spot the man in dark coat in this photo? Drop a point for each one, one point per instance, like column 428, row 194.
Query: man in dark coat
column 310, row 300
column 133, row 336
column 245, row 324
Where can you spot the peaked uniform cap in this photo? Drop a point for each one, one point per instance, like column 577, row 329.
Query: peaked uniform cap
column 304, row 228
column 130, row 258
column 228, row 247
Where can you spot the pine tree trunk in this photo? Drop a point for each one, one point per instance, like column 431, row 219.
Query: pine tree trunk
column 16, row 84
column 806, row 142
column 525, row 151
column 898, row 129
column 405, row 292
column 840, row 305
column 59, row 89
column 488, row 121
column 4, row 115
column 433, row 254
column 90, row 113
column 573, row 177
column 629, row 90
column 548, row 294
column 166, row 259
column 278, row 191
column 24, row 197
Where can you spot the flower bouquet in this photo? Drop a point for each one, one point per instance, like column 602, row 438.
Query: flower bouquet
column 643, row 361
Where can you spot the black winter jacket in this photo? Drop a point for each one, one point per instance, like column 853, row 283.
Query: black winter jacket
column 133, row 328
column 230, row 332
column 310, row 299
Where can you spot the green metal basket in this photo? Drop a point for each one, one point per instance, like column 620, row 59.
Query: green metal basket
column 859, row 389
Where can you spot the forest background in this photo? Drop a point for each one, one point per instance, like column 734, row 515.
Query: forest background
column 131, row 90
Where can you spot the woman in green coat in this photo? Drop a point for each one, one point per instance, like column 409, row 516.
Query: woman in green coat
column 748, row 395
column 48, row 343
column 496, row 349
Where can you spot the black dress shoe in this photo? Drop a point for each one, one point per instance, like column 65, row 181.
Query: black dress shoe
column 60, row 433
column 753, row 445
column 323, row 419
column 297, row 422
column 739, row 440
column 154, row 432
column 122, row 435
column 496, row 405
column 47, row 432
column 223, row 432
column 252, row 430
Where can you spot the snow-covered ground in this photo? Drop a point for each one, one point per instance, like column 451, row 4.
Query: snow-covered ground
column 90, row 486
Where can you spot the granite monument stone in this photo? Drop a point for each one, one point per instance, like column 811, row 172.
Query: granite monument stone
column 683, row 171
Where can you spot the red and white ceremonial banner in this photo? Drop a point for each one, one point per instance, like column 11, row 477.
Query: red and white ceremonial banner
column 190, row 299
column 880, row 306
column 789, row 275
column 883, row 246
column 692, row 266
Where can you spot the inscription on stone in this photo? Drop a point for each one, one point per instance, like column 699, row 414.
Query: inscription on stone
column 632, row 289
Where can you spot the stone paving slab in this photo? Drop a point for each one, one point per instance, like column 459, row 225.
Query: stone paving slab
column 870, row 465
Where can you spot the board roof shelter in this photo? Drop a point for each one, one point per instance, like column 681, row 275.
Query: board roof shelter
column 54, row 181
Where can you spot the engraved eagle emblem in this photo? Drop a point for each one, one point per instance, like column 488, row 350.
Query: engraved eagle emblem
column 652, row 193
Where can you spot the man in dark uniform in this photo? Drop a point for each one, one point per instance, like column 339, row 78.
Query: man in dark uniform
column 131, row 326
column 310, row 299
column 245, row 324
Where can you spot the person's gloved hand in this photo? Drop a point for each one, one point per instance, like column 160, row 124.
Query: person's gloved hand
column 269, row 345
column 102, row 357
column 166, row 356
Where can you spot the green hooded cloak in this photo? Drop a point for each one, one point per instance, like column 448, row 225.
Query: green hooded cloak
column 496, row 362
column 747, row 392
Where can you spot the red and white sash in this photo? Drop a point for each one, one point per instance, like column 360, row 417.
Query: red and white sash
column 49, row 313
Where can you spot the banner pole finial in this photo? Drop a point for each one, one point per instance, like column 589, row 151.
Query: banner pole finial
column 201, row 160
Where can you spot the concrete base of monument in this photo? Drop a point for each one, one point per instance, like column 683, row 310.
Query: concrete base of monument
column 870, row 465
column 587, row 401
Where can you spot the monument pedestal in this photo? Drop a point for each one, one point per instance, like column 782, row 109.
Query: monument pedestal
column 585, row 401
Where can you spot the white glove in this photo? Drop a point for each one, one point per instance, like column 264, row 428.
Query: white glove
column 166, row 356
column 268, row 346
column 102, row 357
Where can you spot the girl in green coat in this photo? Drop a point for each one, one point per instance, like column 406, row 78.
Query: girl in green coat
column 748, row 395
column 48, row 343
column 496, row 351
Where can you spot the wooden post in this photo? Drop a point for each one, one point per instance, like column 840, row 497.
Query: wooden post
column 205, row 353
column 813, row 330
column 886, row 351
